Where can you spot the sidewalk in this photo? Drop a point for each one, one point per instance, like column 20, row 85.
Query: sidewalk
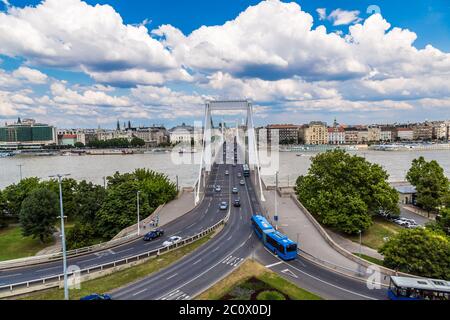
column 176, row 208
column 353, row 247
column 294, row 223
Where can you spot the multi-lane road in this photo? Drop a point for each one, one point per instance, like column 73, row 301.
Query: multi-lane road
column 214, row 260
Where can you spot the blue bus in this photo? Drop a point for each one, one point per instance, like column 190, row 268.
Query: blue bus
column 246, row 170
column 403, row 288
column 275, row 241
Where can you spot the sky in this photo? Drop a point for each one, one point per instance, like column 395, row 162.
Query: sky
column 80, row 64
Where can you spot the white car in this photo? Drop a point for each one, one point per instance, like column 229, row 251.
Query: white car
column 171, row 241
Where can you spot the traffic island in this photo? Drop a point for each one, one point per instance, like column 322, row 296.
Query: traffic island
column 252, row 281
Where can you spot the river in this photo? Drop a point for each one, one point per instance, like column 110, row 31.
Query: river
column 94, row 168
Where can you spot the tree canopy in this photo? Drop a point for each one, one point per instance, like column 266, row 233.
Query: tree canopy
column 344, row 191
column 433, row 187
column 419, row 251
column 38, row 214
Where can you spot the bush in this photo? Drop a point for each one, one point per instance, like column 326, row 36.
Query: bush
column 80, row 236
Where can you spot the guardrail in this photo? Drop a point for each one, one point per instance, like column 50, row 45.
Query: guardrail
column 21, row 288
column 35, row 260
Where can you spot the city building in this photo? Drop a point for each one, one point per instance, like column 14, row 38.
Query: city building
column 374, row 134
column 186, row 134
column 422, row 131
column 336, row 134
column 440, row 130
column 315, row 133
column 351, row 135
column 386, row 135
column 153, row 136
column 27, row 133
column 287, row 133
column 403, row 134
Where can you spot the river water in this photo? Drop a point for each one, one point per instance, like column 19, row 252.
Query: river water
column 94, row 168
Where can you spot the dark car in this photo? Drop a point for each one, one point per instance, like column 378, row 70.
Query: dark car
column 152, row 235
column 96, row 296
column 237, row 203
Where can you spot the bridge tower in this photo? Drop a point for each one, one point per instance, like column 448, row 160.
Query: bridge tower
column 210, row 146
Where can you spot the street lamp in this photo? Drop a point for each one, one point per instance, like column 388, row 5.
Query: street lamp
column 63, row 235
column 20, row 171
column 138, row 218
column 276, row 201
column 360, row 243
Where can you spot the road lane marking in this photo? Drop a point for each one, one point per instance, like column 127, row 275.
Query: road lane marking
column 172, row 276
column 47, row 269
column 290, row 273
column 323, row 281
column 11, row 275
column 139, row 292
column 273, row 264
column 197, row 262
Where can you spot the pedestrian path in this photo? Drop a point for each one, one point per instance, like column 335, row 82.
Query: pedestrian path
column 296, row 225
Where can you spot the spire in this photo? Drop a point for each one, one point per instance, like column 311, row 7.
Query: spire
column 118, row 125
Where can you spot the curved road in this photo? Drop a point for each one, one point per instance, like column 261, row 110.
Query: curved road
column 200, row 218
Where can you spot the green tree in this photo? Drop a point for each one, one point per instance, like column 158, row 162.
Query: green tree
column 69, row 188
column 15, row 194
column 345, row 191
column 38, row 214
column 80, row 236
column 79, row 145
column 3, row 208
column 137, row 142
column 431, row 183
column 419, row 251
column 119, row 210
column 89, row 199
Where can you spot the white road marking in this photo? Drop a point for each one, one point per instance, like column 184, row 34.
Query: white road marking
column 125, row 250
column 323, row 281
column 47, row 269
column 172, row 276
column 273, row 265
column 11, row 275
column 290, row 273
column 139, row 292
column 197, row 262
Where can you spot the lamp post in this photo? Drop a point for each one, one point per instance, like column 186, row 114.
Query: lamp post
column 63, row 235
column 138, row 218
column 178, row 189
column 276, row 201
column 20, row 171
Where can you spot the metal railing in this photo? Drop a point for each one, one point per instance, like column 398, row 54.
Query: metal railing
column 19, row 288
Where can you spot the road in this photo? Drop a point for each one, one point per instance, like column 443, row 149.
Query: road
column 216, row 259
column 213, row 261
column 202, row 217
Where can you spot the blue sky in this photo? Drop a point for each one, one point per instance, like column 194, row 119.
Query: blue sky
column 354, row 88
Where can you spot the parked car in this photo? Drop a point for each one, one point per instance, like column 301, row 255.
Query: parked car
column 218, row 188
column 227, row 173
column 239, row 175
column 223, row 205
column 237, row 203
column 154, row 234
column 171, row 241
column 242, row 183
column 96, row 296
column 235, row 190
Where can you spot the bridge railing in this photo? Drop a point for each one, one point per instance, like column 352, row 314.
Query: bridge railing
column 90, row 273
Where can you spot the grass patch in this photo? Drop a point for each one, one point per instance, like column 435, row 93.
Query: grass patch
column 252, row 281
column 375, row 235
column 13, row 245
column 370, row 259
column 119, row 279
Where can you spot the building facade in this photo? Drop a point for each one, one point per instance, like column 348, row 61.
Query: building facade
column 27, row 134
column 186, row 134
column 315, row 133
column 287, row 133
